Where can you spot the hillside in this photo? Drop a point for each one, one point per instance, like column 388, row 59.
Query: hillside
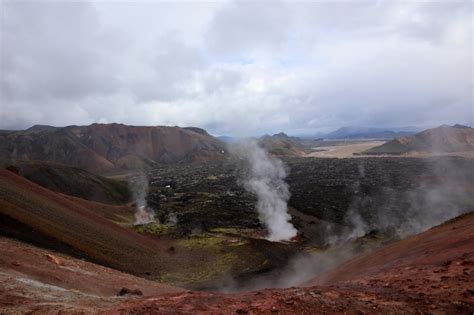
column 369, row 133
column 436, row 247
column 427, row 273
column 443, row 139
column 101, row 148
column 73, row 181
column 282, row 145
column 34, row 214
column 105, row 234
column 33, row 277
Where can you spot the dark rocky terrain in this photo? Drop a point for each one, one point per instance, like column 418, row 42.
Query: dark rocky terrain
column 325, row 192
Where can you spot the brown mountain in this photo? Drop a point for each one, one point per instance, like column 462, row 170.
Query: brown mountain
column 110, row 147
column 442, row 139
column 281, row 145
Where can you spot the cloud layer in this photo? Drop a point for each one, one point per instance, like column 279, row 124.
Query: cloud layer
column 237, row 67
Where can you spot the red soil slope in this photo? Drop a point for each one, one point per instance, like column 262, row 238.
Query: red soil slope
column 435, row 247
column 432, row 272
column 31, row 276
column 78, row 227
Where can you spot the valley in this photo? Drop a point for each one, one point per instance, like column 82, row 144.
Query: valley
column 236, row 157
column 207, row 234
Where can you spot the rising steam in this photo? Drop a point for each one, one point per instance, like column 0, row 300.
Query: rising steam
column 265, row 177
column 443, row 192
column 139, row 187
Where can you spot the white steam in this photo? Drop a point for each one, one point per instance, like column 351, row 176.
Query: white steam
column 265, row 177
column 139, row 187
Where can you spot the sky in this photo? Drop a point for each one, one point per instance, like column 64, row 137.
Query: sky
column 237, row 68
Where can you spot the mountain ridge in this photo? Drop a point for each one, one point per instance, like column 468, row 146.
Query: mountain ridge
column 442, row 139
column 102, row 148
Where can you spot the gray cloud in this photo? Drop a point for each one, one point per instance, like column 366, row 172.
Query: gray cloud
column 236, row 67
column 53, row 50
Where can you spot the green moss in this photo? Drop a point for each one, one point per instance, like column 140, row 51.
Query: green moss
column 154, row 228
column 201, row 240
column 233, row 231
column 314, row 249
column 125, row 220
column 222, row 264
column 239, row 243
column 225, row 230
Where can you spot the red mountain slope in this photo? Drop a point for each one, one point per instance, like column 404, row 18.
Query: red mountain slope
column 432, row 272
column 111, row 147
column 78, row 227
column 443, row 139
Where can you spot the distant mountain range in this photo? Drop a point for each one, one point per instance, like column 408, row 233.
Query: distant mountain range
column 369, row 133
column 102, row 148
column 351, row 132
column 444, row 139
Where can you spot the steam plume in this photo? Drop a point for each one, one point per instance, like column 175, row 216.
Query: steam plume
column 265, row 177
column 139, row 187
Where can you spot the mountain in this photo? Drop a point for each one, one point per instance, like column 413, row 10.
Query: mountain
column 443, row 139
column 101, row 148
column 369, row 133
column 228, row 139
column 281, row 144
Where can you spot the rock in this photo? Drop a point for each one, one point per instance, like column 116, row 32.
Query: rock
column 127, row 291
column 13, row 169
column 54, row 259
column 468, row 293
column 447, row 263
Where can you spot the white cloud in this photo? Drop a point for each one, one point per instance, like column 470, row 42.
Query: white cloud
column 237, row 67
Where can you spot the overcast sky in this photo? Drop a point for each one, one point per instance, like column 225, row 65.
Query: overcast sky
column 236, row 67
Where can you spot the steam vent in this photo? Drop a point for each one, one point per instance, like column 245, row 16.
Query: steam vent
column 236, row 157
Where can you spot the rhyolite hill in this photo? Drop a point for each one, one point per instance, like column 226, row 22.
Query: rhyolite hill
column 102, row 148
column 443, row 139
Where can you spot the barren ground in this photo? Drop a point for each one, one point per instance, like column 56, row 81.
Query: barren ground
column 344, row 149
column 430, row 273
